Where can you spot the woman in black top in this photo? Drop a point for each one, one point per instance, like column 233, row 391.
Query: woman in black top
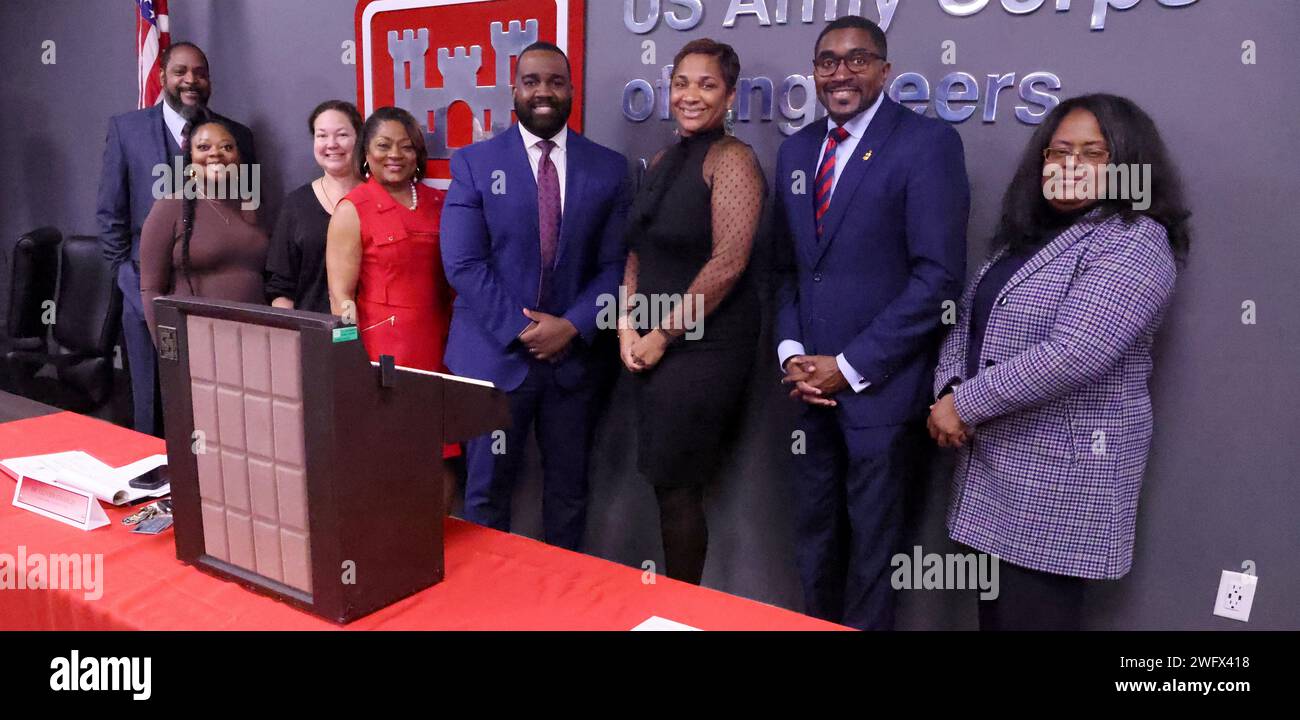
column 295, row 264
column 691, row 229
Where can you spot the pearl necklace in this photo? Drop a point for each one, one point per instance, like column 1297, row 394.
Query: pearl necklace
column 415, row 199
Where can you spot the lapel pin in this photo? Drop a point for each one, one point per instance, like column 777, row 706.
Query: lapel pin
column 867, row 156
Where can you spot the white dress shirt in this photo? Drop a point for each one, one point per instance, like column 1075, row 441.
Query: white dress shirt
column 558, row 155
column 175, row 123
column 857, row 127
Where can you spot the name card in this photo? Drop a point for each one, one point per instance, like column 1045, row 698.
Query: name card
column 656, row 623
column 68, row 505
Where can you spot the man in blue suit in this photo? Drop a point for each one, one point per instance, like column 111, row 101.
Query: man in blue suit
column 873, row 204
column 532, row 238
column 138, row 142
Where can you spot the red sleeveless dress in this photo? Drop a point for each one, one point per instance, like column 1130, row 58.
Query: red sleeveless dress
column 403, row 297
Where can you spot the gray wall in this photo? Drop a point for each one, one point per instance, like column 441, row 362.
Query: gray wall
column 1220, row 487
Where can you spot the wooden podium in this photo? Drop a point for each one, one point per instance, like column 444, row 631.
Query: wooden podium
column 300, row 469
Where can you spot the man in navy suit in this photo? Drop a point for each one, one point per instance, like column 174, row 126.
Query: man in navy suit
column 873, row 204
column 532, row 238
column 138, row 142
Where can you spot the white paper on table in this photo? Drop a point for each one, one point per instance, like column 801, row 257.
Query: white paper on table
column 83, row 471
column 657, row 623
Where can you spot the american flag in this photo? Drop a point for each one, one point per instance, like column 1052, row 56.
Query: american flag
column 151, row 37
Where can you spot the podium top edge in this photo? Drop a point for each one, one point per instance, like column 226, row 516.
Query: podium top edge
column 250, row 313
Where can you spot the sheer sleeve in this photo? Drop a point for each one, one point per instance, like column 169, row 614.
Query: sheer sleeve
column 630, row 272
column 737, row 191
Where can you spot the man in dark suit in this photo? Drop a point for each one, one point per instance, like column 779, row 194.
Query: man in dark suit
column 873, row 202
column 532, row 238
column 139, row 144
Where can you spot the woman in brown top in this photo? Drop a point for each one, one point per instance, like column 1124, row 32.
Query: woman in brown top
column 199, row 245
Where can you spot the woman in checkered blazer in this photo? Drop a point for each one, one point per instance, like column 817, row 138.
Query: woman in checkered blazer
column 1042, row 384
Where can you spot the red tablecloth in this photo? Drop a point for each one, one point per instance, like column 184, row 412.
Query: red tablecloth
column 495, row 581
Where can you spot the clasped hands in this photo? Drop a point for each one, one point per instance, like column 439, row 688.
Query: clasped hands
column 548, row 336
column 945, row 425
column 641, row 352
column 814, row 379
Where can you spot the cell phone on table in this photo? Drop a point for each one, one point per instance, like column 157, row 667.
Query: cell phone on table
column 151, row 480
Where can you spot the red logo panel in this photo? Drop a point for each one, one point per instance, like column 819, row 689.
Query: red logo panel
column 451, row 63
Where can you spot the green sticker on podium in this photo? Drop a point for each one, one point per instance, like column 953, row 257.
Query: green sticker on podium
column 346, row 334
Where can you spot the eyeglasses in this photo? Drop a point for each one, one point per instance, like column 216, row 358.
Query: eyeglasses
column 858, row 62
column 1091, row 155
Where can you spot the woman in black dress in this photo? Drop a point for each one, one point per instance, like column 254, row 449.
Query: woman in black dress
column 691, row 229
column 295, row 265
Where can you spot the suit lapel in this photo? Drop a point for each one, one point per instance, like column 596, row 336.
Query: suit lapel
column 160, row 135
column 804, row 211
column 520, row 171
column 575, row 181
column 968, row 296
column 865, row 156
column 1073, row 234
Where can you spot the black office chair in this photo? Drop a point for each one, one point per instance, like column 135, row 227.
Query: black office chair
column 33, row 261
column 86, row 327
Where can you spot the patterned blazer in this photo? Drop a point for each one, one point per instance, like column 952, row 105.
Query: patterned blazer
column 1060, row 406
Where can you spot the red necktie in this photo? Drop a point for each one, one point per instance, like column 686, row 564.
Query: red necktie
column 548, row 214
column 826, row 175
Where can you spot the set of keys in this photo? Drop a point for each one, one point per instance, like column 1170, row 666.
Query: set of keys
column 152, row 518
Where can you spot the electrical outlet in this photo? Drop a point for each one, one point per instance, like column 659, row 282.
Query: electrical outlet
column 1236, row 593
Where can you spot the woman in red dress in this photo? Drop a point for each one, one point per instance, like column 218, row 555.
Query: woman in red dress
column 382, row 256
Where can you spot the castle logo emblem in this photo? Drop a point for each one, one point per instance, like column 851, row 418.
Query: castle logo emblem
column 451, row 63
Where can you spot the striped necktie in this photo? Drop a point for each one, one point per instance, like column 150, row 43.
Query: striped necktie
column 826, row 175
